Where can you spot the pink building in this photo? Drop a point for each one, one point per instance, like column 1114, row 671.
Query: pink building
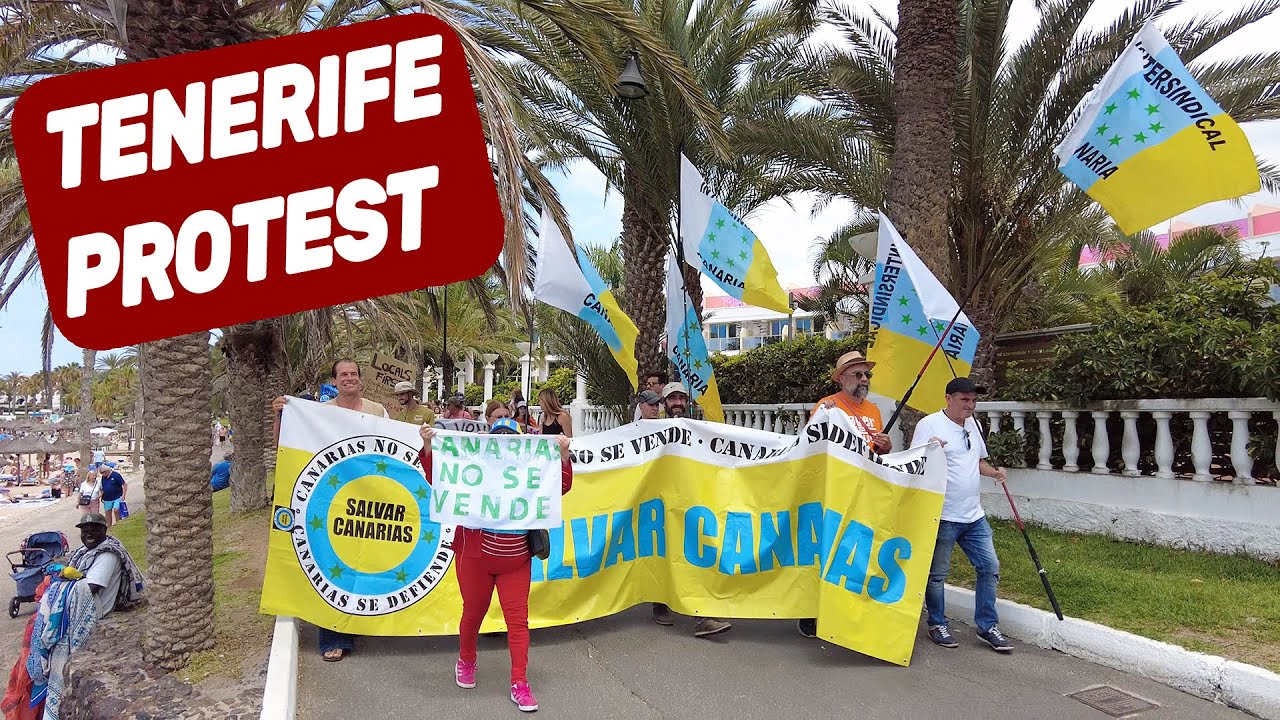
column 1259, row 233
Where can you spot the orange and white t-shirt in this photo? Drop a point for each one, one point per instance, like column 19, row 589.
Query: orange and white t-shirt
column 865, row 414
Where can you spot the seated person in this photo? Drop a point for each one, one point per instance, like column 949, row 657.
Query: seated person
column 220, row 478
column 113, row 577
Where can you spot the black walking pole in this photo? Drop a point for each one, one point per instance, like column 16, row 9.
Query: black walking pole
column 1044, row 577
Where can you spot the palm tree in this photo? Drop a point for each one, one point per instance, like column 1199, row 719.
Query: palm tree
column 1009, row 207
column 11, row 382
column 86, row 404
column 924, row 83
column 113, row 361
column 729, row 48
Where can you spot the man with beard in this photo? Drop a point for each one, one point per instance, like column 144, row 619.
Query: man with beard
column 335, row 645
column 675, row 399
column 411, row 411
column 853, row 374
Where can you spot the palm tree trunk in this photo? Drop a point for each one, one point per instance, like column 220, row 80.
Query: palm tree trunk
column 920, row 174
column 255, row 355
column 644, row 253
column 86, row 407
column 177, row 385
column 138, row 423
column 177, row 390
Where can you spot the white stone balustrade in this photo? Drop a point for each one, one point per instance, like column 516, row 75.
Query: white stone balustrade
column 790, row 417
column 1238, row 463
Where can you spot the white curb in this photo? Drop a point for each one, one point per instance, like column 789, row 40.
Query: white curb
column 1242, row 686
column 280, row 696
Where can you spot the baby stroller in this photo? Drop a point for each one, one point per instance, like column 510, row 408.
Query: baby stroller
column 37, row 551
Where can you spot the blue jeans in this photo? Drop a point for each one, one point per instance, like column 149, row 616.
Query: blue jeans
column 333, row 640
column 975, row 541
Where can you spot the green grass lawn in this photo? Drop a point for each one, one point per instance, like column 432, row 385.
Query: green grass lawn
column 1222, row 605
column 239, row 556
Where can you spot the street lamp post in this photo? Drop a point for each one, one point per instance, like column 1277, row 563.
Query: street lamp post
column 630, row 85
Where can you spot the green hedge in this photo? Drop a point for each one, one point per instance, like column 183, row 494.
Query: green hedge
column 562, row 380
column 1214, row 337
column 794, row 371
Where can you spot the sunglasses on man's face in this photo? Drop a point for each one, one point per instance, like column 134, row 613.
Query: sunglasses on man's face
column 859, row 374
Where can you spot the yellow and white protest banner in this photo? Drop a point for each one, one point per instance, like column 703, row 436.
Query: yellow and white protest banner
column 711, row 519
column 496, row 482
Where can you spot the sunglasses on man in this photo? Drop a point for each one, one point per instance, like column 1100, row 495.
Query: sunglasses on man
column 859, row 374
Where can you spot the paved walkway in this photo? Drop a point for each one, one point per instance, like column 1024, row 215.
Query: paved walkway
column 625, row 666
column 17, row 523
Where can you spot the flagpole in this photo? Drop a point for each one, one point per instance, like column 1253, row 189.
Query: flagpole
column 445, row 364
column 684, row 288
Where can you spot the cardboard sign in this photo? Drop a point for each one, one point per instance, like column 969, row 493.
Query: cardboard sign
column 380, row 376
column 211, row 188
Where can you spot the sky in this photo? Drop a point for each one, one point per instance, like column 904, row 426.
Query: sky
column 784, row 226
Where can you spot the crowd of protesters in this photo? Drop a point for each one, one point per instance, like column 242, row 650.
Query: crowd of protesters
column 490, row 559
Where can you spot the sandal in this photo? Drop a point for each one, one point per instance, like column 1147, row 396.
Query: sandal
column 330, row 656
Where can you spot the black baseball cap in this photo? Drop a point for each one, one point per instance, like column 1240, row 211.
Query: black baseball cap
column 964, row 385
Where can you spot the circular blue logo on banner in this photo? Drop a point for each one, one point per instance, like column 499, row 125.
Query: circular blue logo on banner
column 363, row 534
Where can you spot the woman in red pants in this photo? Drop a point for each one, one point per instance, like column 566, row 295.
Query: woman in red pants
column 485, row 559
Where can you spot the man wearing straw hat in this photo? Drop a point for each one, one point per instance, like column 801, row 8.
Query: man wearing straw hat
column 853, row 374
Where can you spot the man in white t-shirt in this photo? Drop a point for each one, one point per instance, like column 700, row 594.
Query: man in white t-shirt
column 962, row 520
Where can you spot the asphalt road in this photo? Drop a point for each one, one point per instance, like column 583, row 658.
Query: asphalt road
column 625, row 666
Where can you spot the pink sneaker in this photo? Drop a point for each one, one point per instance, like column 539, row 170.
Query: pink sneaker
column 465, row 674
column 523, row 697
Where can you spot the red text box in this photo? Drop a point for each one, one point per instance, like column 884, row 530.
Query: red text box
column 206, row 189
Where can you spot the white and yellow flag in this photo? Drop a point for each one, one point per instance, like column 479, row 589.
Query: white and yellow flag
column 578, row 289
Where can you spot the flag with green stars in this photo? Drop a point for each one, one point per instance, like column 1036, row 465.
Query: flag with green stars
column 910, row 315
column 1150, row 143
column 577, row 288
column 721, row 246
column 686, row 347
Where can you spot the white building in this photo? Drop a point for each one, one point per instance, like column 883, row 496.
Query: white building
column 731, row 326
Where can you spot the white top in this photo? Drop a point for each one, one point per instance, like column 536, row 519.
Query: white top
column 105, row 571
column 99, row 456
column 962, row 503
column 92, row 489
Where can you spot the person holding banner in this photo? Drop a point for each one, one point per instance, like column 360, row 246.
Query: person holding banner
column 488, row 559
column 962, row 520
column 335, row 645
column 853, row 374
column 675, row 401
